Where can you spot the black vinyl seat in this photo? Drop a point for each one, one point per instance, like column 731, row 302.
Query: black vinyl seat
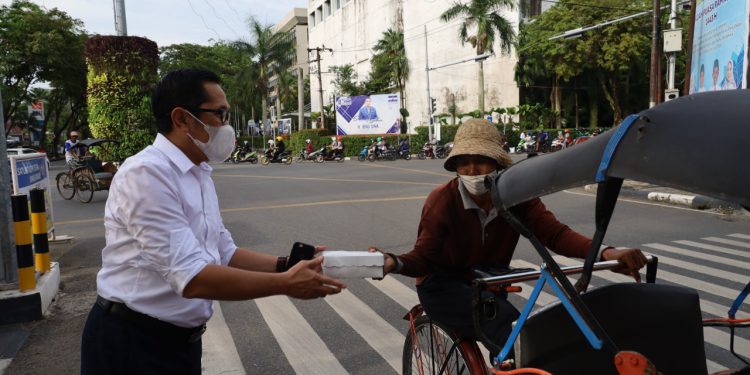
column 662, row 322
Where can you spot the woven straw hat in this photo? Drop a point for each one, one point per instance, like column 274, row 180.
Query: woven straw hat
column 478, row 137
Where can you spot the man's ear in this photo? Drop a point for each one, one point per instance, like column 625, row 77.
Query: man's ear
column 180, row 119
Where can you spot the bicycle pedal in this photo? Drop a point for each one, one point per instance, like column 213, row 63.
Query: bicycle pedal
column 507, row 364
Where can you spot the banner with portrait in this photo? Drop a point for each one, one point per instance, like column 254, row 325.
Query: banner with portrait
column 368, row 114
column 720, row 37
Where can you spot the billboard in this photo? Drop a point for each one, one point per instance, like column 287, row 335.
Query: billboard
column 36, row 121
column 368, row 114
column 719, row 51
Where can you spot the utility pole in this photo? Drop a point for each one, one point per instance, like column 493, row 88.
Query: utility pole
column 672, row 55
column 320, row 80
column 655, row 60
column 300, row 99
column 121, row 25
column 8, row 269
column 429, row 98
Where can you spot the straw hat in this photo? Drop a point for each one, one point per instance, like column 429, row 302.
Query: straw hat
column 478, row 137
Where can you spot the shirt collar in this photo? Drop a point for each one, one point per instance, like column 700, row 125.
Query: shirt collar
column 175, row 155
column 469, row 203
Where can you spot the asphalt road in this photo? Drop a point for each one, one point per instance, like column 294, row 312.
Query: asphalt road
column 351, row 206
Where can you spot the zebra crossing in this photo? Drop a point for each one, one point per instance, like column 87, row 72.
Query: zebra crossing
column 722, row 259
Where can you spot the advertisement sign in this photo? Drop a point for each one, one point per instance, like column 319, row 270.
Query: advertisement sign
column 284, row 126
column 36, row 121
column 720, row 36
column 373, row 114
column 30, row 171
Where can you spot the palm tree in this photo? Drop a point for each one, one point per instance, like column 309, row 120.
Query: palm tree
column 392, row 45
column 271, row 51
column 482, row 15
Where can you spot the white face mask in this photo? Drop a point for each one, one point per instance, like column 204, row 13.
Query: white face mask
column 475, row 184
column 220, row 141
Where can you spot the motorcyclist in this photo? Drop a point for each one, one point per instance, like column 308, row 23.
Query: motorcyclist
column 380, row 147
column 280, row 147
column 271, row 149
column 433, row 143
column 338, row 147
column 403, row 146
column 308, row 147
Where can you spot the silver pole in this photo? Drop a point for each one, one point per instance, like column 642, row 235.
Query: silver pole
column 429, row 98
column 300, row 99
column 8, row 269
column 121, row 25
column 672, row 55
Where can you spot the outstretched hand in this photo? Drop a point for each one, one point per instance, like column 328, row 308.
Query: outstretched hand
column 306, row 282
column 389, row 263
column 631, row 260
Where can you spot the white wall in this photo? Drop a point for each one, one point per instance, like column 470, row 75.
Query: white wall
column 352, row 31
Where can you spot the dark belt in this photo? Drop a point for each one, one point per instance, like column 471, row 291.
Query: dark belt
column 120, row 310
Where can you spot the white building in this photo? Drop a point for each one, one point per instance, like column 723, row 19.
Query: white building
column 352, row 27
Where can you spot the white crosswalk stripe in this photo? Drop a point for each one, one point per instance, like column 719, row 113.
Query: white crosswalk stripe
column 307, row 353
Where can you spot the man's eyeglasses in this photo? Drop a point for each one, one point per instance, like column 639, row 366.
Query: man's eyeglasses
column 223, row 114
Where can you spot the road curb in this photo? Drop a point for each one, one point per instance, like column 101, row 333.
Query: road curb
column 698, row 202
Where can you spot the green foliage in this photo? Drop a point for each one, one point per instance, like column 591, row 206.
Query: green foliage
column 318, row 137
column 122, row 73
column 345, row 81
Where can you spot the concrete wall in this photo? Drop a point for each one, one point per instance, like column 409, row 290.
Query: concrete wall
column 353, row 30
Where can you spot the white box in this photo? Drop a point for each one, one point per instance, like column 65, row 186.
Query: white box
column 341, row 264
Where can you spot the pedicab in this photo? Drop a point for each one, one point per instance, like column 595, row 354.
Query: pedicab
column 88, row 174
column 622, row 328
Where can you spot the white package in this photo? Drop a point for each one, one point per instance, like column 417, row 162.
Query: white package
column 342, row 264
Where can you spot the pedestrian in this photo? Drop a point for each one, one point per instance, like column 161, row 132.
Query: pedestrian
column 460, row 230
column 167, row 252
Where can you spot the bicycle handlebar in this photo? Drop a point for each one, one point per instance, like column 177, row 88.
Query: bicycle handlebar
column 651, row 265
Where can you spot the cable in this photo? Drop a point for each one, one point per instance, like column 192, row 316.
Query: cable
column 220, row 18
column 235, row 11
column 592, row 6
column 204, row 20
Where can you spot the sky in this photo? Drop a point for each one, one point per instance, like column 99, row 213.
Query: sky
column 176, row 21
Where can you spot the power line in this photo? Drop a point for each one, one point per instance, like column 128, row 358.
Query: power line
column 204, row 20
column 234, row 10
column 592, row 6
column 220, row 18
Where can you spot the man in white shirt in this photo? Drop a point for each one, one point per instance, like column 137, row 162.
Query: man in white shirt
column 167, row 253
column 71, row 149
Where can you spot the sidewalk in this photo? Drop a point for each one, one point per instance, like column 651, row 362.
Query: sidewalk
column 650, row 192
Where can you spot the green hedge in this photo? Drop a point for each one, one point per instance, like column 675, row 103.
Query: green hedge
column 121, row 76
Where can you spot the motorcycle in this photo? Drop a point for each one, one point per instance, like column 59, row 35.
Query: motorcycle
column 313, row 156
column 426, row 152
column 330, row 155
column 267, row 157
column 525, row 145
column 363, row 154
column 389, row 154
column 404, row 153
column 244, row 153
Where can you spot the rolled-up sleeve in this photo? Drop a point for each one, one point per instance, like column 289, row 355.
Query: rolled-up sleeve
column 226, row 246
column 151, row 210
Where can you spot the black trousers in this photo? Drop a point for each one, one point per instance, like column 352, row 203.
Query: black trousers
column 114, row 345
column 448, row 300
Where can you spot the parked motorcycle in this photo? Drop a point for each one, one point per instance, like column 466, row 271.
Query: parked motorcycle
column 426, row 152
column 267, row 157
column 244, row 153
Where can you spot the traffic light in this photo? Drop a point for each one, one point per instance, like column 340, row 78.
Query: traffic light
column 433, row 105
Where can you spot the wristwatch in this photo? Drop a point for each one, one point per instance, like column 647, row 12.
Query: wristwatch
column 281, row 263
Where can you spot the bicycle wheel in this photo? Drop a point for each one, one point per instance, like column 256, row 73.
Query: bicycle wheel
column 65, row 186
column 432, row 346
column 85, row 187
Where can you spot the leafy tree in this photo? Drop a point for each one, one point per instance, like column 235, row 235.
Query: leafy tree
column 270, row 51
column 38, row 45
column 489, row 26
column 390, row 62
column 345, row 80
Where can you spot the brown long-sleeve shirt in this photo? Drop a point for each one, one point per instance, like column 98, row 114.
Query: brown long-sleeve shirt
column 449, row 237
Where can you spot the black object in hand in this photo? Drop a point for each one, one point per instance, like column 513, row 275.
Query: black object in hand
column 300, row 251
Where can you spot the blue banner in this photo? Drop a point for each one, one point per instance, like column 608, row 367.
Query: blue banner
column 30, row 172
column 720, row 36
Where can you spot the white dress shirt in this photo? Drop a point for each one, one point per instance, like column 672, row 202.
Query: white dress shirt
column 162, row 227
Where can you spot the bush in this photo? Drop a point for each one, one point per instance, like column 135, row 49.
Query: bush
column 121, row 76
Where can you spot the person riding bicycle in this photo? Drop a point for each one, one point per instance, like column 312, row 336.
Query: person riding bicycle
column 460, row 230
column 280, row 147
column 73, row 150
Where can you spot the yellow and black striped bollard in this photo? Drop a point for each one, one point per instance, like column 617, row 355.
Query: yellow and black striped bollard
column 24, row 251
column 39, row 230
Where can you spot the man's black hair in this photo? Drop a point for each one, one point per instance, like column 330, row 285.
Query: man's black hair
column 179, row 88
column 716, row 63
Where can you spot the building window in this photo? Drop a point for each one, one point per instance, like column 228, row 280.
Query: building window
column 327, row 7
column 338, row 4
column 319, row 15
column 312, row 19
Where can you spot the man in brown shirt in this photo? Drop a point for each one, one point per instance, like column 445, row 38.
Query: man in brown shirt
column 460, row 230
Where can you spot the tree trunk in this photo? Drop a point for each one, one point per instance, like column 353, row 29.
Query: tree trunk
column 593, row 108
column 556, row 101
column 609, row 88
column 263, row 109
column 481, row 89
